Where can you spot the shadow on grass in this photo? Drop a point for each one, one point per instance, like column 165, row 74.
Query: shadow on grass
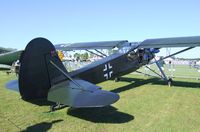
column 154, row 81
column 107, row 114
column 180, row 84
column 41, row 127
column 40, row 102
column 134, row 83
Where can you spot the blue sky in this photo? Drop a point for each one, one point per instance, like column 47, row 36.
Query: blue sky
column 64, row 21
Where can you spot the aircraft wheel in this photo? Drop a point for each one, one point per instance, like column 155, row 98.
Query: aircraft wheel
column 169, row 82
column 52, row 108
column 117, row 79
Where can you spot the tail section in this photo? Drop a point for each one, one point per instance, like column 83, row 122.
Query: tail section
column 36, row 74
column 43, row 77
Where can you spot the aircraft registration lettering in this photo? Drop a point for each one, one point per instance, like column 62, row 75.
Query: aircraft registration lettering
column 108, row 70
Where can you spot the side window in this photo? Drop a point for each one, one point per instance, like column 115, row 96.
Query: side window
column 132, row 56
column 124, row 49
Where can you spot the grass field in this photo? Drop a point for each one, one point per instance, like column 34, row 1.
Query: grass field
column 180, row 71
column 145, row 104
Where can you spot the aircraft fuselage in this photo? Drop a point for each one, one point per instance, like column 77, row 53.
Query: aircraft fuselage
column 113, row 66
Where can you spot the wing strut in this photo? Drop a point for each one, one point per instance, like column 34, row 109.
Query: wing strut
column 94, row 53
column 100, row 52
column 161, row 71
column 174, row 54
column 153, row 71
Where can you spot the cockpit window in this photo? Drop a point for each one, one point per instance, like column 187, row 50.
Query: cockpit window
column 124, row 49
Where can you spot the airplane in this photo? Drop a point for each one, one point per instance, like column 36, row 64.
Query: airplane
column 8, row 59
column 43, row 77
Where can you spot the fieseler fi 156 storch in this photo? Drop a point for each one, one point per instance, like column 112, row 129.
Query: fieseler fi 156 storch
column 42, row 75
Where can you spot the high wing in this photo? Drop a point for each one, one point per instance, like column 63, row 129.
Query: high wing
column 148, row 43
column 171, row 42
column 91, row 45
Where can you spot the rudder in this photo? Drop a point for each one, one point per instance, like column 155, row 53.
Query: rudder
column 36, row 74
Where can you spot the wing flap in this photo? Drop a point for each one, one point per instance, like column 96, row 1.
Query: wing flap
column 171, row 42
column 89, row 95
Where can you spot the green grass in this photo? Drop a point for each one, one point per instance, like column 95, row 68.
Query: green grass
column 180, row 71
column 145, row 104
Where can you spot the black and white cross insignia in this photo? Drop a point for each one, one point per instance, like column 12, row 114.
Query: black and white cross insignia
column 108, row 71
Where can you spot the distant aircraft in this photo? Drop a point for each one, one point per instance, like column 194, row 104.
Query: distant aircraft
column 43, row 77
column 8, row 57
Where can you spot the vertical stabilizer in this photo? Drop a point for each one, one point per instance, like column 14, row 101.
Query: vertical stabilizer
column 36, row 73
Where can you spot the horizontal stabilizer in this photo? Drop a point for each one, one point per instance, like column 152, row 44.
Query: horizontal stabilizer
column 85, row 95
column 13, row 85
